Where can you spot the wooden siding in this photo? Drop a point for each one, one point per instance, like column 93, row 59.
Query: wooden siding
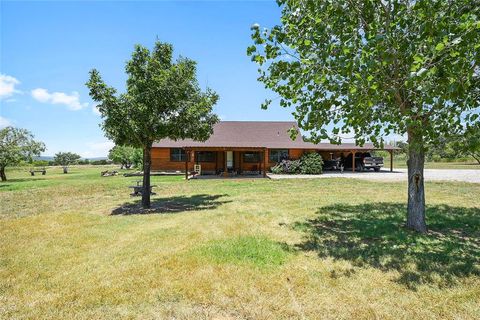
column 295, row 153
column 161, row 161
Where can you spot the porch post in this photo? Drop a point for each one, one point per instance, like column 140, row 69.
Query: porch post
column 391, row 160
column 225, row 171
column 264, row 162
column 260, row 163
column 353, row 160
column 240, row 159
column 186, row 164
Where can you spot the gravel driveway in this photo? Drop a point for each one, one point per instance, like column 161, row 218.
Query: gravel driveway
column 465, row 175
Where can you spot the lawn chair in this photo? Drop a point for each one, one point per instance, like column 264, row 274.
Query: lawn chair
column 197, row 169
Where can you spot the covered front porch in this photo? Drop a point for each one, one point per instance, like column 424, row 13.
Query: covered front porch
column 225, row 161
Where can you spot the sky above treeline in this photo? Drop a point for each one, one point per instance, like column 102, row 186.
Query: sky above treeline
column 48, row 48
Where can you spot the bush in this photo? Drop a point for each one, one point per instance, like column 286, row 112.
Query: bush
column 287, row 167
column 277, row 169
column 311, row 163
column 99, row 162
column 83, row 162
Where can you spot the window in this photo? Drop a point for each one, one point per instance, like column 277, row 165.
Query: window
column 205, row 156
column 177, row 154
column 251, row 157
column 277, row 155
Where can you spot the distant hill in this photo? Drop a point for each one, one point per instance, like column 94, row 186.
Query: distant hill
column 46, row 158
column 50, row 158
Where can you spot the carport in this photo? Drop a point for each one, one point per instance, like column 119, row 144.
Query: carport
column 350, row 148
column 353, row 152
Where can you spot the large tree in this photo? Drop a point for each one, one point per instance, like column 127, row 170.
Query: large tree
column 17, row 145
column 373, row 68
column 65, row 159
column 126, row 156
column 162, row 100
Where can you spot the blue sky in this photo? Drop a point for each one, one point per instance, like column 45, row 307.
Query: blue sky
column 47, row 49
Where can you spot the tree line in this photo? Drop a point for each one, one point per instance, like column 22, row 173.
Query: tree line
column 464, row 147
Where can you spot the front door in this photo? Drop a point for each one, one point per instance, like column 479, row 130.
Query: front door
column 229, row 160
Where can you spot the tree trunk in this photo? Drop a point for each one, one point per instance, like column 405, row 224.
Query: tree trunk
column 416, row 191
column 147, row 158
column 65, row 169
column 475, row 156
column 2, row 174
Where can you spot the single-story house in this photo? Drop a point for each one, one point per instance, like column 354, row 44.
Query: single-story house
column 245, row 147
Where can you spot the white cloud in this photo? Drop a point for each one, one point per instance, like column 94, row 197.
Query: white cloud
column 7, row 86
column 72, row 101
column 41, row 95
column 97, row 149
column 4, row 122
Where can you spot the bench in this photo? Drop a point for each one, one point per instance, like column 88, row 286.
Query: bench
column 138, row 189
column 42, row 170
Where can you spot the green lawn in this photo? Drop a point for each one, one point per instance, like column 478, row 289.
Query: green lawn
column 77, row 246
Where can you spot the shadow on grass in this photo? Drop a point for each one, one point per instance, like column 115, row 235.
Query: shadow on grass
column 172, row 205
column 374, row 235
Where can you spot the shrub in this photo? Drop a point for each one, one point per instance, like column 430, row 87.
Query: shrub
column 287, row 167
column 99, row 162
column 83, row 162
column 277, row 169
column 311, row 163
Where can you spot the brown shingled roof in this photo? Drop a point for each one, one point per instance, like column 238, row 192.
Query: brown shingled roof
column 257, row 134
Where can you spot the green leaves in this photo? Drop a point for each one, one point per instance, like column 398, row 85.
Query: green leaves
column 126, row 156
column 163, row 100
column 440, row 46
column 18, row 145
column 66, row 158
column 418, row 59
column 376, row 68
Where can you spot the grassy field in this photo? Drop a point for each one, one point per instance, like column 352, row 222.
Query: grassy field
column 77, row 246
column 402, row 164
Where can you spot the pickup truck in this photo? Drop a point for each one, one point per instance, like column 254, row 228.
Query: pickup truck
column 364, row 160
